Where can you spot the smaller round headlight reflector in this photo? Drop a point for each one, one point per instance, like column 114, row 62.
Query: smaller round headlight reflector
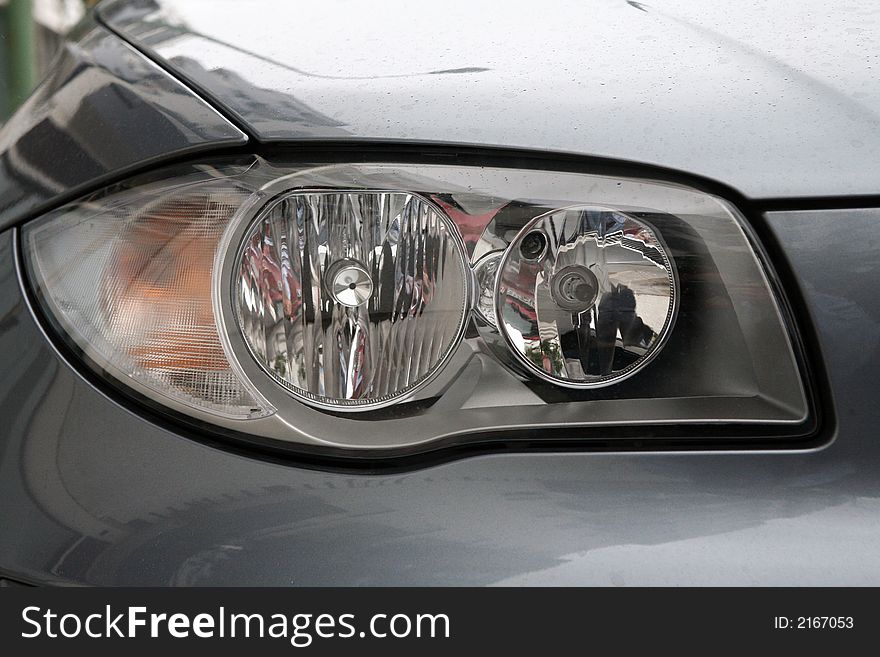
column 585, row 296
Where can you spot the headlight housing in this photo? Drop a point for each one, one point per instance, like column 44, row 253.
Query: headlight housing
column 389, row 308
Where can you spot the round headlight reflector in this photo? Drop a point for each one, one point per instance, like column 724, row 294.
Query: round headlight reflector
column 352, row 300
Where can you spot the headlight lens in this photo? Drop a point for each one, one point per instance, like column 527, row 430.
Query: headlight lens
column 432, row 303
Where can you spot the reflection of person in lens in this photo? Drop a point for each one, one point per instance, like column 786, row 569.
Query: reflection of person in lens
column 597, row 350
column 617, row 313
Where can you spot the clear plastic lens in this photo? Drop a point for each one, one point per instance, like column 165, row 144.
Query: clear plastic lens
column 131, row 283
column 585, row 295
column 465, row 299
column 352, row 299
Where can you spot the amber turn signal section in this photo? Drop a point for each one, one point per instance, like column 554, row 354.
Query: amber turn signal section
column 158, row 285
column 132, row 282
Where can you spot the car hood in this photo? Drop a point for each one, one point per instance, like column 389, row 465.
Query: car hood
column 774, row 99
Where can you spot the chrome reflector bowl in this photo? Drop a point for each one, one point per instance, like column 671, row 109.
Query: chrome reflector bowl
column 352, row 300
column 585, row 296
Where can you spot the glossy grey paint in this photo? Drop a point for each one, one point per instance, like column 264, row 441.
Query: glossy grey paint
column 95, row 494
column 773, row 99
column 103, row 109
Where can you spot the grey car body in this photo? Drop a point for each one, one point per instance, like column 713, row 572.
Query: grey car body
column 774, row 108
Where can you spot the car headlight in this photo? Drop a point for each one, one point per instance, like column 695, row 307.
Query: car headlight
column 381, row 306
